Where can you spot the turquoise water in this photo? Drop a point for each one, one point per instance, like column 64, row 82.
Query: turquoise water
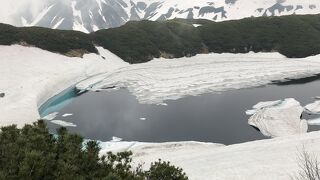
column 59, row 101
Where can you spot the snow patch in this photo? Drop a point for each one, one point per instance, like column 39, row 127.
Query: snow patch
column 197, row 25
column 58, row 24
column 40, row 16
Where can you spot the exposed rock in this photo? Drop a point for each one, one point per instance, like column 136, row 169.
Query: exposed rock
column 2, row 95
column 76, row 53
column 276, row 119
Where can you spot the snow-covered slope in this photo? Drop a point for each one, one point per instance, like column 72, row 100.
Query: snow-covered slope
column 91, row 15
column 30, row 76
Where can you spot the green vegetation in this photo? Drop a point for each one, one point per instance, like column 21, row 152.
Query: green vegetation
column 32, row 153
column 59, row 41
column 140, row 41
column 293, row 36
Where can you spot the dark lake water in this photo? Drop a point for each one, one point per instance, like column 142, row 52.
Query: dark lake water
column 218, row 118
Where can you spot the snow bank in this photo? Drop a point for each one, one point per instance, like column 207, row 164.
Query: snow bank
column 279, row 118
column 30, row 76
column 162, row 79
column 264, row 160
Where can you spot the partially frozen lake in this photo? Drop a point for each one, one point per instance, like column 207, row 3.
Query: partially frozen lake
column 218, row 118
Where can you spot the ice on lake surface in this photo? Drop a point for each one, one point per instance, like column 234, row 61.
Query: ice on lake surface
column 219, row 118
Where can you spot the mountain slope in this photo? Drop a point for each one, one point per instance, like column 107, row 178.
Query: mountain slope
column 92, row 15
column 294, row 36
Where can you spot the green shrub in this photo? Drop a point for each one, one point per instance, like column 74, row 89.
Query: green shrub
column 33, row 153
column 165, row 171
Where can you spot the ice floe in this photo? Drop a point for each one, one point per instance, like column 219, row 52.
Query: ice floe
column 63, row 123
column 279, row 118
column 313, row 108
column 265, row 104
column 67, row 115
column 116, row 139
column 50, row 116
column 261, row 105
column 314, row 121
column 162, row 104
column 143, row 119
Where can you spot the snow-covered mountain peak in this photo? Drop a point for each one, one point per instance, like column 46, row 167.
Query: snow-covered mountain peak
column 92, row 15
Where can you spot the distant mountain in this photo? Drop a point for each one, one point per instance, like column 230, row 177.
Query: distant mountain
column 92, row 15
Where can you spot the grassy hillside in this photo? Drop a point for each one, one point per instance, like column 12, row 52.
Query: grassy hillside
column 136, row 42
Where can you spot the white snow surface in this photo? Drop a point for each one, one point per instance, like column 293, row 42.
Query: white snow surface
column 279, row 118
column 272, row 159
column 313, row 108
column 162, row 79
column 30, row 76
